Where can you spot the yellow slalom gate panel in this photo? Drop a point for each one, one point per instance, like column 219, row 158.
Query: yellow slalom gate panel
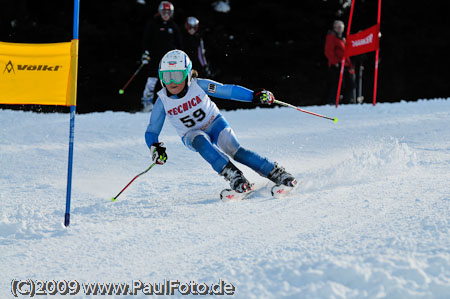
column 71, row 97
column 43, row 74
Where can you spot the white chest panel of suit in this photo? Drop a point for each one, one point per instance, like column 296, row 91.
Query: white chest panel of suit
column 194, row 111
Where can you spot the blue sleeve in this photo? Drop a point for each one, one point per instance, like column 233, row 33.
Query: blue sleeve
column 227, row 91
column 156, row 123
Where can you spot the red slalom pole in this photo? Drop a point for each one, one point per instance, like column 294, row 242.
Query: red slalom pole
column 343, row 58
column 334, row 119
column 375, row 80
column 376, row 58
column 115, row 197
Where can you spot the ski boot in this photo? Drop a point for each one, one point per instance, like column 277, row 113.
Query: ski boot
column 238, row 182
column 280, row 177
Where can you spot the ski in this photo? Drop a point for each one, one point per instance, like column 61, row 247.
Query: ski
column 278, row 191
column 229, row 194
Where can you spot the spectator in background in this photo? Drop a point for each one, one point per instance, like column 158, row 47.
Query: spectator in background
column 334, row 51
column 161, row 35
column 194, row 45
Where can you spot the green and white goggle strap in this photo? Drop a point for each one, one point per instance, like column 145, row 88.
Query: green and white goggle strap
column 176, row 76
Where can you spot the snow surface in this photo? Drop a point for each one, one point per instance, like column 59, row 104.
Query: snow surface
column 370, row 218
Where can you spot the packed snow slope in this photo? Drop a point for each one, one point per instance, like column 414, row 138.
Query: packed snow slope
column 369, row 219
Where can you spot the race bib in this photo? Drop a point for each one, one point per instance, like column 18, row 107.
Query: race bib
column 194, row 111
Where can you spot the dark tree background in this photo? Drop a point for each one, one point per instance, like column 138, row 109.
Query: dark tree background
column 278, row 45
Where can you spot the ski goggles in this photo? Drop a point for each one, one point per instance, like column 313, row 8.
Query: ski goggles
column 173, row 76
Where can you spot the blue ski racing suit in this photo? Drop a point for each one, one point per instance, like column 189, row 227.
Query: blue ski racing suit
column 202, row 127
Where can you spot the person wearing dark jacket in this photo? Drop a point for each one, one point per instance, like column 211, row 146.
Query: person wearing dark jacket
column 161, row 35
column 194, row 45
column 334, row 51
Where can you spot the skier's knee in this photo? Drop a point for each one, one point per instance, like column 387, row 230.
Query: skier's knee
column 195, row 140
column 228, row 142
column 200, row 142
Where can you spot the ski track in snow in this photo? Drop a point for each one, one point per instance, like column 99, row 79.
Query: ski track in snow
column 370, row 218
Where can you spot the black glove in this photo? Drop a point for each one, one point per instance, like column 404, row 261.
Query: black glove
column 145, row 57
column 263, row 96
column 158, row 152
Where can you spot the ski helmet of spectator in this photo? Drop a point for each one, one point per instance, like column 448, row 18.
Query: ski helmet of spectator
column 191, row 23
column 338, row 25
column 165, row 7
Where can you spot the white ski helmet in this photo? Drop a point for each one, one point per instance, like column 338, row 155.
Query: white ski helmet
column 191, row 23
column 175, row 66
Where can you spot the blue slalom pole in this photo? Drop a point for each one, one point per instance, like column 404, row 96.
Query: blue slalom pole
column 70, row 163
column 76, row 17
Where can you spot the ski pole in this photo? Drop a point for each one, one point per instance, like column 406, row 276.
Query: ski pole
column 305, row 111
column 145, row 171
column 122, row 90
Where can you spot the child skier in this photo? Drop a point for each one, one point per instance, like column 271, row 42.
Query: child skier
column 184, row 99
